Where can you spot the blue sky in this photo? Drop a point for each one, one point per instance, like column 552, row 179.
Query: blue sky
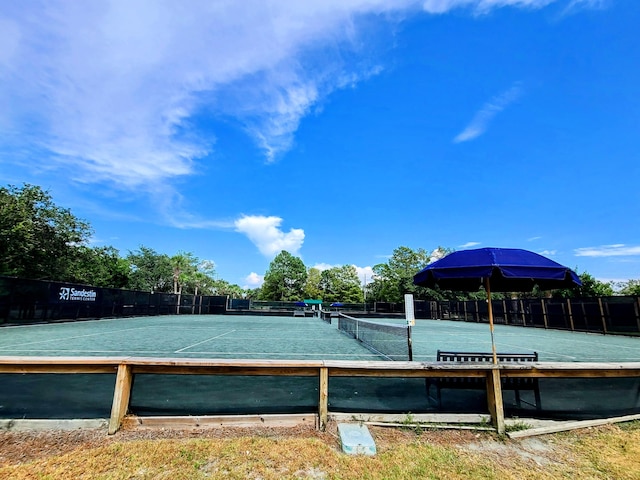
column 337, row 130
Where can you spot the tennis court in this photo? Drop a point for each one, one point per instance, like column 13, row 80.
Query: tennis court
column 254, row 337
column 295, row 338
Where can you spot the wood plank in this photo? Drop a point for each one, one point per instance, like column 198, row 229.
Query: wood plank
column 226, row 370
column 121, row 396
column 221, row 421
column 494, row 400
column 429, row 426
column 323, row 401
column 565, row 426
column 450, row 418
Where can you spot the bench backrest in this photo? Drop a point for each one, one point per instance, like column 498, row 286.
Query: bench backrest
column 444, row 356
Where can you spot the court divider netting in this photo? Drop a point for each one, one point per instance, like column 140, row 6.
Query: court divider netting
column 390, row 341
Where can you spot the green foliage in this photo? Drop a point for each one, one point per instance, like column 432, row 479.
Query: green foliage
column 184, row 266
column 341, row 284
column 590, row 288
column 285, row 279
column 150, row 271
column 631, row 287
column 37, row 238
column 392, row 280
column 312, row 287
column 99, row 266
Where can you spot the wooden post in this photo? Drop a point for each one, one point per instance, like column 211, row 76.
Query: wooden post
column 465, row 310
column 477, row 312
column 494, row 399
column 570, row 314
column 602, row 316
column 636, row 308
column 323, row 401
column 544, row 313
column 524, row 318
column 121, row 396
column 504, row 312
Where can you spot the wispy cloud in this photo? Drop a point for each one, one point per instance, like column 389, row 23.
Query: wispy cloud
column 533, row 239
column 575, row 5
column 111, row 90
column 480, row 122
column 265, row 233
column 617, row 250
column 482, row 6
column 468, row 244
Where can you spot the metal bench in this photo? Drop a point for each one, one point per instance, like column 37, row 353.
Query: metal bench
column 474, row 383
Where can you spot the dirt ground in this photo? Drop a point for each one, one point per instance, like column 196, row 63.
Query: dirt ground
column 20, row 447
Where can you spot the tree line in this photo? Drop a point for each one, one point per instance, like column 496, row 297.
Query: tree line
column 40, row 240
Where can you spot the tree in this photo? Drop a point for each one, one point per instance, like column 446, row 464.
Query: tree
column 630, row 287
column 395, row 278
column 37, row 238
column 184, row 266
column 341, row 284
column 99, row 266
column 312, row 285
column 590, row 288
column 150, row 271
column 285, row 278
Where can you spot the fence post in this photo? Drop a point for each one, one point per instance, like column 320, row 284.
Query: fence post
column 636, row 308
column 570, row 314
column 494, row 399
column 602, row 316
column 544, row 313
column 121, row 396
column 323, row 401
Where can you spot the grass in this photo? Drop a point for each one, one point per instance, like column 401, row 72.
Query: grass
column 611, row 452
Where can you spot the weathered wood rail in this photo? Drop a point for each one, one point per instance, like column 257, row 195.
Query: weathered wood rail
column 126, row 367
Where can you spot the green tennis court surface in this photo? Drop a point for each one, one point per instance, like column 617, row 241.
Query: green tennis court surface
column 295, row 338
column 252, row 337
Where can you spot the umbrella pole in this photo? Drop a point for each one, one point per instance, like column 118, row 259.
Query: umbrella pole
column 493, row 343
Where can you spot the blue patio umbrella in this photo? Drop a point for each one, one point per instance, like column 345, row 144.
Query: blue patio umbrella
column 300, row 304
column 498, row 270
column 337, row 304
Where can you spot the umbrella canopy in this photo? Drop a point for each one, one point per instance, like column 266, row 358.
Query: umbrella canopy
column 496, row 269
column 300, row 304
column 337, row 304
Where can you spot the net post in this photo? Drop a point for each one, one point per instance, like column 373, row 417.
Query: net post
column 409, row 313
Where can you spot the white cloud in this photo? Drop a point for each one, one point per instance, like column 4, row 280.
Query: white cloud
column 110, row 89
column 253, row 280
column 533, row 239
column 265, row 233
column 548, row 253
column 615, row 250
column 365, row 274
column 481, row 6
column 484, row 116
column 468, row 245
column 324, row 266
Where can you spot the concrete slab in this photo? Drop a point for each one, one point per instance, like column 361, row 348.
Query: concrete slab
column 356, row 439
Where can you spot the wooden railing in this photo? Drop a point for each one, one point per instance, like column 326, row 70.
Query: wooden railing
column 126, row 367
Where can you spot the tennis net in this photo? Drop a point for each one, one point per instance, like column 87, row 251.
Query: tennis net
column 391, row 341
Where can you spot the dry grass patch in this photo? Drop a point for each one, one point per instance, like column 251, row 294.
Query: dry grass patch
column 602, row 453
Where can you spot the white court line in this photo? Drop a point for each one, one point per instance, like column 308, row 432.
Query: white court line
column 204, row 341
column 62, row 339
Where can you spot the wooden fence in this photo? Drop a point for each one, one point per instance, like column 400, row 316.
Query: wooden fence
column 126, row 367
